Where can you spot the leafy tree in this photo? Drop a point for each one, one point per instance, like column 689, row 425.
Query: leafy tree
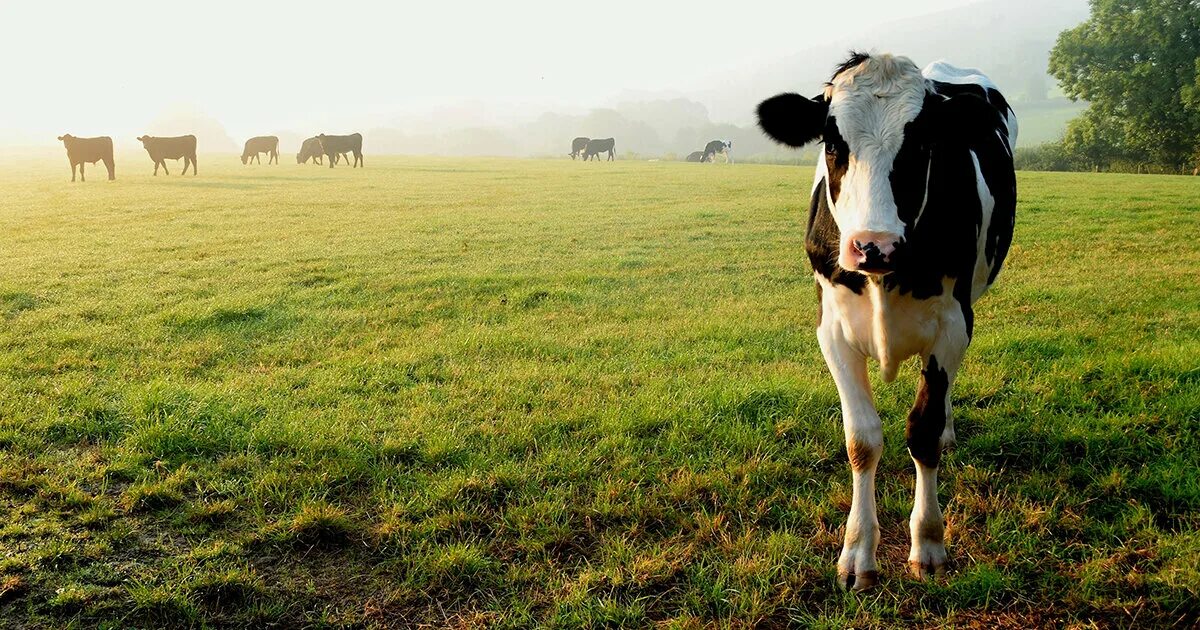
column 1138, row 63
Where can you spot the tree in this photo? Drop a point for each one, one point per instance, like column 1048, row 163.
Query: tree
column 1138, row 63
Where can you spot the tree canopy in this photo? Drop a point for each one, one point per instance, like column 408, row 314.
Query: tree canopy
column 1138, row 64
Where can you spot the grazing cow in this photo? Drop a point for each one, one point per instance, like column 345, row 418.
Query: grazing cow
column 310, row 148
column 163, row 149
column 258, row 145
column 910, row 220
column 718, row 146
column 596, row 146
column 695, row 156
column 91, row 150
column 577, row 146
column 332, row 146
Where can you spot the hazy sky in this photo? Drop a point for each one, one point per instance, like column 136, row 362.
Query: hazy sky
column 98, row 67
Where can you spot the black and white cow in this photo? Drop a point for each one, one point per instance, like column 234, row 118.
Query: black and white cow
column 911, row 217
column 712, row 149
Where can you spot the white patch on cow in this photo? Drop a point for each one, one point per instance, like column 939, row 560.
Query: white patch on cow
column 925, row 197
column 872, row 103
column 987, row 203
column 863, row 431
column 885, row 325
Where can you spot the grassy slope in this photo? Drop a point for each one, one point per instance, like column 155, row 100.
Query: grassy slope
column 519, row 392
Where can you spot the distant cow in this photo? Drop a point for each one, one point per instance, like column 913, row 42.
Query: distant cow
column 311, row 148
column 695, row 156
column 577, row 146
column 331, row 146
column 92, row 150
column 258, row 145
column 718, row 146
column 597, row 146
column 163, row 149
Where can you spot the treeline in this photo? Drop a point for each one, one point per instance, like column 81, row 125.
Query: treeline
column 1137, row 64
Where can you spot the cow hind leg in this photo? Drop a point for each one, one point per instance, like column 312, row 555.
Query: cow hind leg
column 857, row 568
column 81, row 177
column 112, row 172
column 927, row 422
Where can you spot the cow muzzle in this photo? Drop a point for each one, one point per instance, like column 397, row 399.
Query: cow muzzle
column 870, row 252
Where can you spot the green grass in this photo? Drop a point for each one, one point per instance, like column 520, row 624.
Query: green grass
column 544, row 393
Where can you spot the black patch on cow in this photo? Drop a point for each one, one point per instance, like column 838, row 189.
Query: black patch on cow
column 822, row 240
column 837, row 158
column 792, row 119
column 927, row 419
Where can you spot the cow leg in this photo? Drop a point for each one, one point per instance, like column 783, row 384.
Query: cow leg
column 81, row 177
column 928, row 422
column 857, row 569
column 108, row 164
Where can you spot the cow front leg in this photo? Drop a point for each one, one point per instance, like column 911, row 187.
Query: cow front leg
column 928, row 422
column 857, row 569
column 82, row 178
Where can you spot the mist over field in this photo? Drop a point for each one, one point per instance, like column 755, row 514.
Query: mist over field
column 466, row 79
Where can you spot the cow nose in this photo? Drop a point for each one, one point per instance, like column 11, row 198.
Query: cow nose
column 873, row 252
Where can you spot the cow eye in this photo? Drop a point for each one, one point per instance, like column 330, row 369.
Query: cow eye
column 830, row 149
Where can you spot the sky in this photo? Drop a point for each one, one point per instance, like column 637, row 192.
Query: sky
column 257, row 66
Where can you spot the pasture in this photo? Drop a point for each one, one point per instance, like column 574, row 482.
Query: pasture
column 518, row 393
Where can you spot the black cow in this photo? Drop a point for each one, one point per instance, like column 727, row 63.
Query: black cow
column 910, row 218
column 577, row 146
column 258, row 145
column 596, row 146
column 695, row 156
column 163, row 149
column 332, row 146
column 310, row 148
column 718, row 146
column 91, row 150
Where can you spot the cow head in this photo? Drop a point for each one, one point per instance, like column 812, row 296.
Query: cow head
column 65, row 138
column 300, row 158
column 143, row 139
column 875, row 162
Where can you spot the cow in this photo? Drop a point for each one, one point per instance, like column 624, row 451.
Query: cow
column 910, row 219
column 718, row 146
column 310, row 148
column 577, row 146
column 332, row 146
column 163, row 149
column 91, row 150
column 258, row 145
column 695, row 156
column 596, row 146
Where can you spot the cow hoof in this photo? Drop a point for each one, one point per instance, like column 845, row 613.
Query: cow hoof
column 856, row 582
column 929, row 562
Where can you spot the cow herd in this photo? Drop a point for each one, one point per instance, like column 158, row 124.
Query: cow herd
column 81, row 151
column 318, row 148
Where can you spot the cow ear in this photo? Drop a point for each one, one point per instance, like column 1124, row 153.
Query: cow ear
column 792, row 119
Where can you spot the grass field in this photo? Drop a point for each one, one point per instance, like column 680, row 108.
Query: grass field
column 541, row 393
